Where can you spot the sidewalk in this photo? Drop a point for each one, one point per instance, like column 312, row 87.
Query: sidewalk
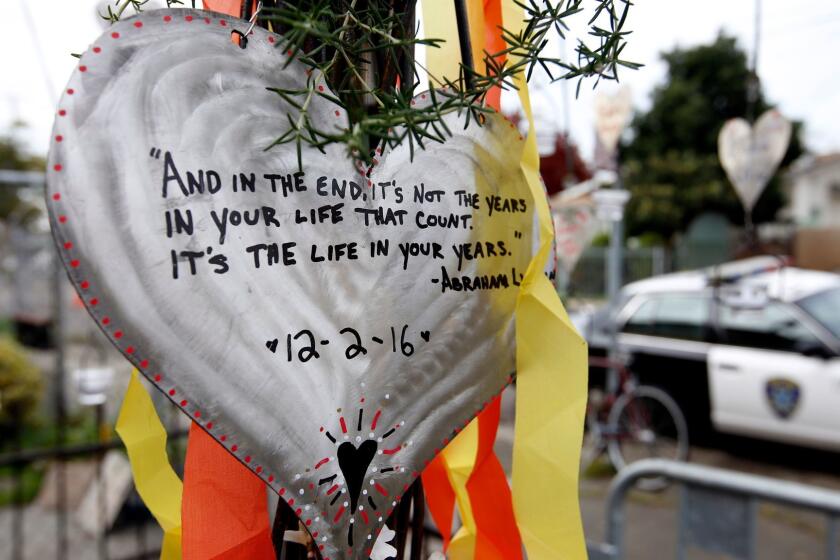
column 783, row 533
column 40, row 537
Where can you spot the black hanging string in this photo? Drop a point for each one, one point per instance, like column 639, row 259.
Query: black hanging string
column 753, row 83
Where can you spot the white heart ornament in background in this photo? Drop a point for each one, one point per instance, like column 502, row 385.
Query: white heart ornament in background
column 750, row 155
column 612, row 113
column 333, row 328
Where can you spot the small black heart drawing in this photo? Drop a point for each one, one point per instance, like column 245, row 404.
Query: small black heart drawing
column 424, row 335
column 354, row 463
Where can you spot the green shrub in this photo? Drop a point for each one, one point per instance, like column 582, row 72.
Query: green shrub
column 20, row 385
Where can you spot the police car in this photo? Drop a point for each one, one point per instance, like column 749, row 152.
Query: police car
column 750, row 347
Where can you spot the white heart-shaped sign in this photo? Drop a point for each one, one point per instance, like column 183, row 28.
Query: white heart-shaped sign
column 612, row 111
column 750, row 155
column 332, row 327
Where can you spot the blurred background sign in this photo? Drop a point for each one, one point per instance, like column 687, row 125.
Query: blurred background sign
column 575, row 224
column 612, row 114
column 751, row 154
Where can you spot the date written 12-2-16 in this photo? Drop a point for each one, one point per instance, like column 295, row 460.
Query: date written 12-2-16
column 304, row 345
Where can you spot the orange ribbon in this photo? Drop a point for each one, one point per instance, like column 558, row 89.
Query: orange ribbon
column 230, row 7
column 224, row 512
column 493, row 43
column 440, row 498
column 497, row 536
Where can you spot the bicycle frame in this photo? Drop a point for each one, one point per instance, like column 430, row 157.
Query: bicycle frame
column 627, row 382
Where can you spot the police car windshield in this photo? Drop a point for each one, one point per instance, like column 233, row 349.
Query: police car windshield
column 825, row 308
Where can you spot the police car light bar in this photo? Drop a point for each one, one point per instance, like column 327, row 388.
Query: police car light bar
column 730, row 273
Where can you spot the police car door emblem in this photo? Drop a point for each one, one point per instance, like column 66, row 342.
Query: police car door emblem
column 783, row 396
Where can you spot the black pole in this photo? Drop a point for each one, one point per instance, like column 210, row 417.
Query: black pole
column 406, row 71
column 17, row 505
column 101, row 489
column 463, row 23
column 61, row 411
column 418, row 518
column 401, row 517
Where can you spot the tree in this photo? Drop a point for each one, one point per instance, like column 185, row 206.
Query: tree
column 671, row 165
column 563, row 164
column 20, row 386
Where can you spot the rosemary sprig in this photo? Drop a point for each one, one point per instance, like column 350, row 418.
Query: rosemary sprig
column 365, row 51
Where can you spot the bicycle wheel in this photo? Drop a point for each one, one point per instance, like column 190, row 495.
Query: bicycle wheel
column 646, row 423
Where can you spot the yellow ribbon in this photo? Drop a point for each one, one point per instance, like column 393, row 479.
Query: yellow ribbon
column 551, row 366
column 459, row 457
column 439, row 23
column 145, row 440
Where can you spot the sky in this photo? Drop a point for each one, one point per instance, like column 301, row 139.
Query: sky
column 797, row 61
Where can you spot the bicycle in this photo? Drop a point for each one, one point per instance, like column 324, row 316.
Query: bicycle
column 635, row 422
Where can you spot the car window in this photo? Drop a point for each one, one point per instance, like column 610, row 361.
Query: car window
column 773, row 327
column 684, row 316
column 641, row 321
column 825, row 308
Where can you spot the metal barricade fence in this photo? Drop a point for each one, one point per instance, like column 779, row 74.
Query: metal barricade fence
column 717, row 508
column 16, row 540
column 588, row 279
